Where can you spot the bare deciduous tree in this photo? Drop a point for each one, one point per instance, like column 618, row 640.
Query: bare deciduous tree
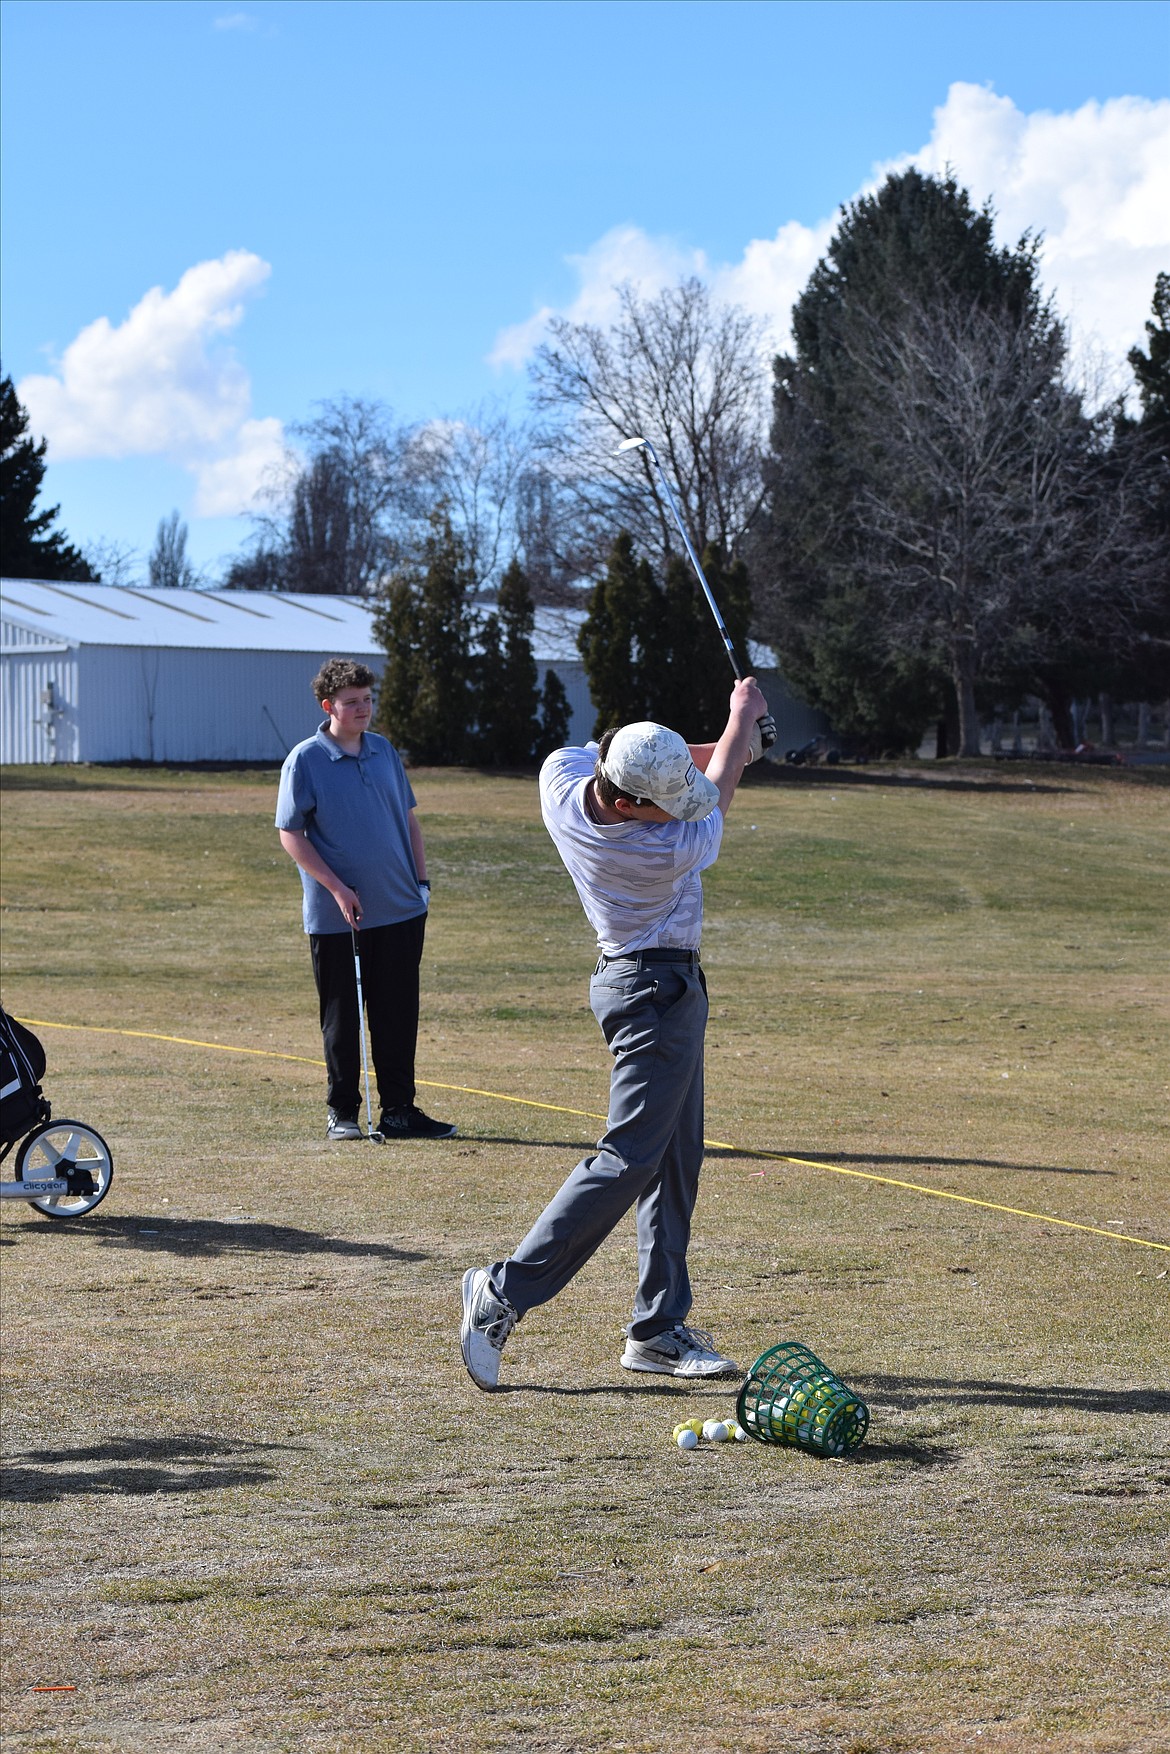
column 985, row 514
column 348, row 505
column 473, row 465
column 112, row 561
column 361, row 504
column 168, row 565
column 686, row 372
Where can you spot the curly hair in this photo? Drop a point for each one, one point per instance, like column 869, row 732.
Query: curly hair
column 338, row 673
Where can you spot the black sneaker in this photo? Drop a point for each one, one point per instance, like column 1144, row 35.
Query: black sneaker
column 342, row 1126
column 409, row 1122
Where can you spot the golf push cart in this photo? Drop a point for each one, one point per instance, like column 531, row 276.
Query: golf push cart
column 63, row 1168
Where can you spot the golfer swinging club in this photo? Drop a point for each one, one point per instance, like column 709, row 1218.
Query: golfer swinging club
column 635, row 819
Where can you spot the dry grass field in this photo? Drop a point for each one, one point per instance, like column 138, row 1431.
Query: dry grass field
column 251, row 1499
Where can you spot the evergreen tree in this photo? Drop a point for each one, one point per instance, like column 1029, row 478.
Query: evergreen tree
column 29, row 548
column 397, row 625
column 1143, row 451
column 614, row 639
column 1152, row 369
column 868, row 520
column 427, row 700
column 688, row 679
column 489, row 689
column 555, row 714
column 507, row 697
column 673, row 663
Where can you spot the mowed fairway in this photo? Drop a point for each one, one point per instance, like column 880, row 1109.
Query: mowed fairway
column 252, row 1499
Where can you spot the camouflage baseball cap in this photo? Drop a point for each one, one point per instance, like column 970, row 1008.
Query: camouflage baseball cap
column 654, row 766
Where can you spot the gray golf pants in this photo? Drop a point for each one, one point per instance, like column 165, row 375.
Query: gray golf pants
column 653, row 1014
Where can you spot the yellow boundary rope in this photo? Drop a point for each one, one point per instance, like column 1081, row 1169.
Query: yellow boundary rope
column 866, row 1175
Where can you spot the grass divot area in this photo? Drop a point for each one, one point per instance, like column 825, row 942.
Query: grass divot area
column 251, row 1499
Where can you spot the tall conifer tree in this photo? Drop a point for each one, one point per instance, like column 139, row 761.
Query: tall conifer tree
column 29, row 547
column 912, row 291
column 615, row 639
column 427, row 701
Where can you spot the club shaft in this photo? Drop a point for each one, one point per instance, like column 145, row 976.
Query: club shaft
column 357, row 970
column 699, row 573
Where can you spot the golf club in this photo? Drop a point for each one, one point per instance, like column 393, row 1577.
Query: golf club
column 637, row 444
column 357, row 969
column 767, row 726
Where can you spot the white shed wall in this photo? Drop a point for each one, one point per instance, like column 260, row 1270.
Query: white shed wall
column 38, row 704
column 165, row 704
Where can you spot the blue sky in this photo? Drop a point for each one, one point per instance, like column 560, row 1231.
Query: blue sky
column 215, row 215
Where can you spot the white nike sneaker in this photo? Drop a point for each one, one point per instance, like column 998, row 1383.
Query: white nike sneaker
column 681, row 1351
column 487, row 1322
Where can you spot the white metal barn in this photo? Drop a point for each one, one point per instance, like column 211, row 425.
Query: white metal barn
column 94, row 673
column 111, row 673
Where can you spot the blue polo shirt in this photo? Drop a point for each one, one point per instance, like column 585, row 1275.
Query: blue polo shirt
column 355, row 809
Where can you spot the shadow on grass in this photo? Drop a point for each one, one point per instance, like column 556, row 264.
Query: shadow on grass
column 774, row 773
column 911, row 1392
column 212, row 1236
column 577, row 1146
column 726, row 1153
column 919, row 1455
column 663, row 1388
column 137, row 1467
column 901, row 1162
column 106, row 777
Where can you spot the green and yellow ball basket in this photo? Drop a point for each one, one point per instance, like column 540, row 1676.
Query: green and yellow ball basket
column 791, row 1397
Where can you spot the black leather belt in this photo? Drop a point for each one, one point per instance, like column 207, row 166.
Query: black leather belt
column 690, row 957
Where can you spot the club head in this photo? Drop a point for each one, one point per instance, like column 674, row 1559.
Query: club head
column 375, row 1138
column 630, row 444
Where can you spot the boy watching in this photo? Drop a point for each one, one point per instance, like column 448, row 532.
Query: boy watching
column 346, row 815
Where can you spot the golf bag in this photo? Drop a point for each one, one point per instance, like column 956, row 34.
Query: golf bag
column 63, row 1169
column 22, row 1066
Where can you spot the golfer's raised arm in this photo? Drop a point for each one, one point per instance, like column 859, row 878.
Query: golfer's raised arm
column 724, row 762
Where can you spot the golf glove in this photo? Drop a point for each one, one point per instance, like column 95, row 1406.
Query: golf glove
column 425, row 889
column 763, row 737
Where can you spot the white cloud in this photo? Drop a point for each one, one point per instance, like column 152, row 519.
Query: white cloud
column 165, row 383
column 1095, row 181
column 236, row 21
column 624, row 254
column 773, row 273
column 226, row 486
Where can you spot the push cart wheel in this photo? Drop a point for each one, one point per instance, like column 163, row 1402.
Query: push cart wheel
column 69, row 1151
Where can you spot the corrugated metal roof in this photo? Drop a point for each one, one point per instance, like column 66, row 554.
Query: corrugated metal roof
column 259, row 621
column 119, row 615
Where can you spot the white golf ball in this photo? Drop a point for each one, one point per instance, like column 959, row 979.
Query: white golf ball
column 687, row 1440
column 715, row 1431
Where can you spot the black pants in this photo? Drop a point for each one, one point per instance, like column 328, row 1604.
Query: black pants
column 390, row 957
